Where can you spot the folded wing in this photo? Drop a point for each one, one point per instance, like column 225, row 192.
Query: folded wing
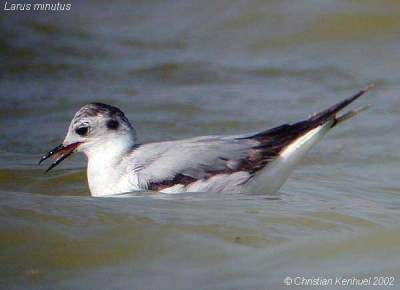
column 182, row 163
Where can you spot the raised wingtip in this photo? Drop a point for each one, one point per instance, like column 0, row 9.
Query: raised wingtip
column 325, row 115
column 369, row 87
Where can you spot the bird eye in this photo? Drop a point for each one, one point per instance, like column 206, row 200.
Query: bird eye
column 112, row 124
column 82, row 131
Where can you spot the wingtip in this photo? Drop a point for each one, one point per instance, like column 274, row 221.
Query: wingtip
column 325, row 115
column 369, row 87
column 363, row 91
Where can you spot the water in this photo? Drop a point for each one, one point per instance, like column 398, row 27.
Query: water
column 186, row 68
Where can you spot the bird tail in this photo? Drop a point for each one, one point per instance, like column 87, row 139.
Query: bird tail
column 349, row 115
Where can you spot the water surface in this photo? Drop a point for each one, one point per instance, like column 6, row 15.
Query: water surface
column 186, row 68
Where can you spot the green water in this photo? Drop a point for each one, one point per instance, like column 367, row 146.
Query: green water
column 186, row 68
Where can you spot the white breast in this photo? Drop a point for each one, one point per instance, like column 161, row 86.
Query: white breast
column 108, row 171
column 107, row 178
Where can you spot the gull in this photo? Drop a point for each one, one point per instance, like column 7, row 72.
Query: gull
column 248, row 163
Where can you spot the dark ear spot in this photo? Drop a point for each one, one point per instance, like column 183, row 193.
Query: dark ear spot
column 112, row 124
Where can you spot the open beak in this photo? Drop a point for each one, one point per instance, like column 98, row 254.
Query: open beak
column 59, row 153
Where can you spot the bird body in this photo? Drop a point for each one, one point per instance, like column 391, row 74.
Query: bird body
column 248, row 163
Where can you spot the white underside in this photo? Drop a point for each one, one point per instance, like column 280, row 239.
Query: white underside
column 219, row 183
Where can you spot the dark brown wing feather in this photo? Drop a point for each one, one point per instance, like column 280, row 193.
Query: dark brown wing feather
column 273, row 141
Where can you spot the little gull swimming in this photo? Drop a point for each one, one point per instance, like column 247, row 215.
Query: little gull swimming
column 248, row 163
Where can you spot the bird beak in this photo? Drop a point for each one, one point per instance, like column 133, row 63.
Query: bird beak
column 59, row 153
